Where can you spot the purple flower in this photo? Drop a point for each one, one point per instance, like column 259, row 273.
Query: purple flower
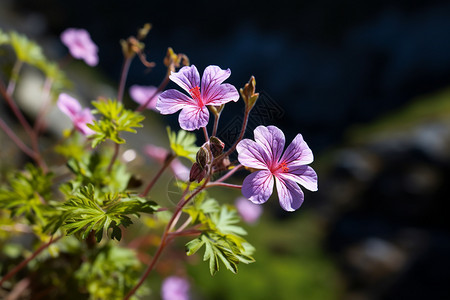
column 141, row 94
column 265, row 154
column 159, row 154
column 80, row 45
column 249, row 211
column 194, row 113
column 79, row 116
column 175, row 288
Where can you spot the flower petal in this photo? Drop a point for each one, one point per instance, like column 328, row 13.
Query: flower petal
column 258, row 186
column 271, row 140
column 171, row 101
column 141, row 94
column 304, row 175
column 221, row 94
column 290, row 194
column 187, row 77
column 251, row 154
column 68, row 105
column 81, row 120
column 192, row 118
column 80, row 45
column 297, row 153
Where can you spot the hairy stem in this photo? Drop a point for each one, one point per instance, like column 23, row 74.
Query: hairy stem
column 234, row 186
column 45, row 106
column 205, row 132
column 113, row 158
column 26, row 261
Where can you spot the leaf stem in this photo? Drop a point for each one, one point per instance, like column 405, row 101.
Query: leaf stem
column 26, row 261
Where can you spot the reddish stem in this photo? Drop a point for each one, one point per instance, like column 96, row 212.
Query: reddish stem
column 165, row 238
column 26, row 261
column 155, row 179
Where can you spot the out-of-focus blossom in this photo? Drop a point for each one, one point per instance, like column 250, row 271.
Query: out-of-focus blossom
column 78, row 115
column 175, row 288
column 160, row 154
column 289, row 169
column 194, row 113
column 80, row 45
column 249, row 211
column 141, row 94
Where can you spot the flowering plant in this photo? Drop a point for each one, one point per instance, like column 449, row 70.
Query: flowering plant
column 78, row 196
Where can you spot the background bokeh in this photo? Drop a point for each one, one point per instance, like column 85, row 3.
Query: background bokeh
column 366, row 83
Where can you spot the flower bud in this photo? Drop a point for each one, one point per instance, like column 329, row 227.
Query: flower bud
column 216, row 146
column 203, row 156
column 197, row 173
column 248, row 93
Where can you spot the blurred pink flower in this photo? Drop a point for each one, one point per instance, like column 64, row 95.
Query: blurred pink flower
column 80, row 45
column 79, row 116
column 249, row 211
column 175, row 288
column 159, row 154
column 141, row 94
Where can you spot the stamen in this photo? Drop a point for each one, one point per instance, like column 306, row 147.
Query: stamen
column 195, row 94
column 284, row 167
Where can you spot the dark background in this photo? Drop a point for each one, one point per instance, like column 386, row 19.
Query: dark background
column 322, row 67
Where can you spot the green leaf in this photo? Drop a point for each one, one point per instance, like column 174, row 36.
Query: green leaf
column 183, row 144
column 26, row 50
column 115, row 119
column 27, row 194
column 4, row 38
column 88, row 210
column 221, row 236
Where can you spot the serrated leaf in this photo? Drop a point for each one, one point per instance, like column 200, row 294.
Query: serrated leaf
column 115, row 119
column 183, row 144
column 87, row 211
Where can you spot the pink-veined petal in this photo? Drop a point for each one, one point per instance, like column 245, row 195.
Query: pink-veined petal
column 271, row 140
column 290, row 194
column 221, row 94
column 304, row 175
column 141, row 94
column 297, row 153
column 258, row 186
column 68, row 105
column 251, row 154
column 171, row 101
column 192, row 117
column 187, row 77
column 212, row 77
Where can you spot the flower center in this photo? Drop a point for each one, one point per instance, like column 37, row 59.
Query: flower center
column 195, row 94
column 284, row 167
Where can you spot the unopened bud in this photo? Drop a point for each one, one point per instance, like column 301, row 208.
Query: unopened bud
column 197, row 173
column 248, row 93
column 203, row 156
column 143, row 32
column 216, row 146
